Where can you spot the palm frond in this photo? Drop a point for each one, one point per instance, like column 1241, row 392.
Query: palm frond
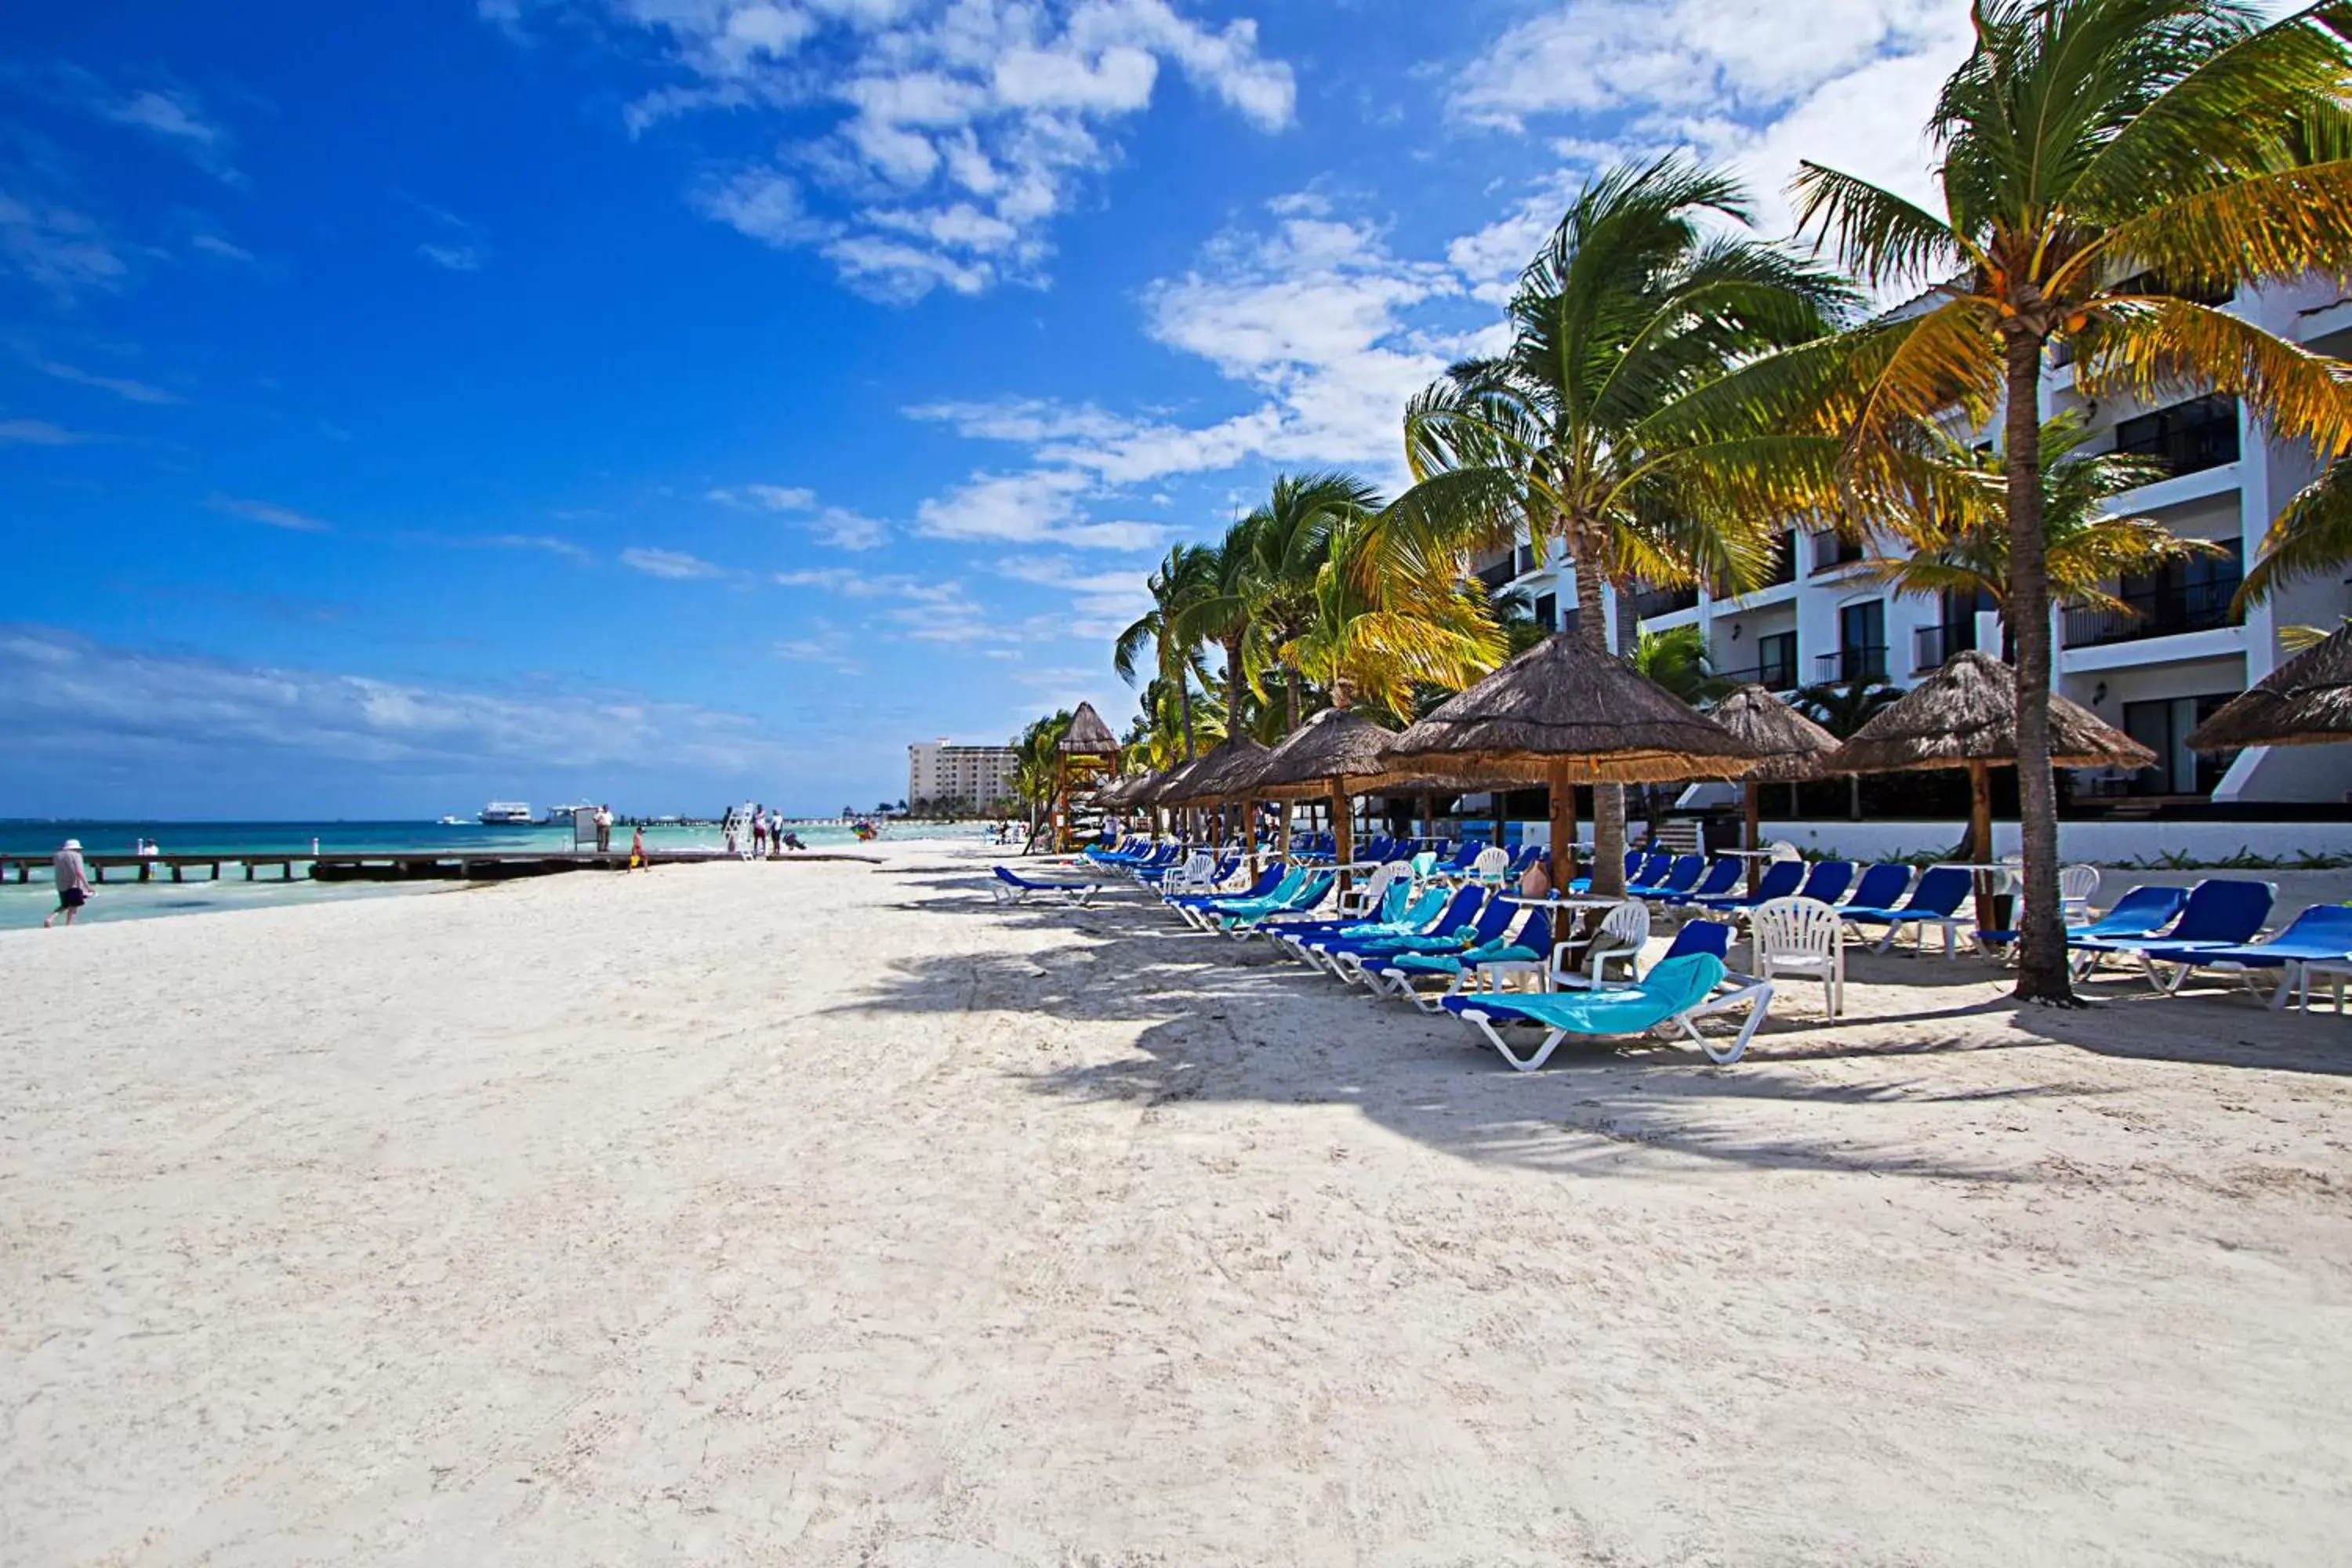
column 1885, row 237
column 2311, row 537
column 2156, row 347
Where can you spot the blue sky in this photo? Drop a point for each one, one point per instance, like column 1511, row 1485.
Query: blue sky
column 682, row 401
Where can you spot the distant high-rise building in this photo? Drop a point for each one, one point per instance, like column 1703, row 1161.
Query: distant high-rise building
column 938, row 772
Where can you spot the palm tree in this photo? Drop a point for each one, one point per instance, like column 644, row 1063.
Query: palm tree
column 1959, row 542
column 2107, row 166
column 1676, row 659
column 1037, row 765
column 1182, row 580
column 1582, row 432
column 1391, row 632
column 1289, row 542
column 1223, row 612
column 2312, row 536
column 1841, row 709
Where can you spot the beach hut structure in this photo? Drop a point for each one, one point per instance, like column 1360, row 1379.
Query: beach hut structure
column 1791, row 749
column 2306, row 702
column 1562, row 714
column 1320, row 760
column 1090, row 757
column 1964, row 716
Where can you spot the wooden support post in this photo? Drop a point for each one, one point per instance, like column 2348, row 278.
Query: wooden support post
column 1343, row 837
column 1282, row 835
column 1563, row 841
column 1755, row 812
column 1980, row 840
column 1249, row 834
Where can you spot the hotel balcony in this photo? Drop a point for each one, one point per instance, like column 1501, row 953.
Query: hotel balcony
column 1651, row 603
column 1833, row 550
column 1931, row 646
column 1851, row 666
column 1774, row 674
column 2158, row 613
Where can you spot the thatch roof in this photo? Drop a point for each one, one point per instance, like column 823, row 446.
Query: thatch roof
column 1561, row 702
column 1337, row 743
column 1967, row 712
column 1167, row 786
column 1126, row 791
column 1089, row 736
column 1227, row 770
column 2306, row 702
column 1793, row 747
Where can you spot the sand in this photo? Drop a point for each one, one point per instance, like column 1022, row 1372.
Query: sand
column 816, row 1215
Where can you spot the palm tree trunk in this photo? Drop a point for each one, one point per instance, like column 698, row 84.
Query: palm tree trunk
column 1291, row 719
column 2041, row 945
column 1184, row 706
column 1608, row 801
column 1233, row 687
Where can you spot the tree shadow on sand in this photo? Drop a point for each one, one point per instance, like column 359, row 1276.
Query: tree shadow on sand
column 1221, row 1020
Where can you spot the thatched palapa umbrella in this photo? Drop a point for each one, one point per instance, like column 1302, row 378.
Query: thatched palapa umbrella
column 1964, row 716
column 1562, row 714
column 2306, row 702
column 1792, row 747
column 1320, row 759
column 1223, row 774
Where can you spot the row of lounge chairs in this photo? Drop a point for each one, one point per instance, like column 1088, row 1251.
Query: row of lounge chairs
column 1448, row 946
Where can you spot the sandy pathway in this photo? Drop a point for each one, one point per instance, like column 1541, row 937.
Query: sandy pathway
column 821, row 1214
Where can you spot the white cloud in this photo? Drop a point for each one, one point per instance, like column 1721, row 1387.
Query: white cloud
column 837, row 526
column 960, row 127
column 673, row 565
column 61, row 694
column 39, row 433
column 58, row 248
column 128, row 390
column 177, row 117
column 823, row 646
column 774, row 497
column 461, row 245
column 268, row 515
column 452, row 258
column 1038, row 507
column 220, row 249
column 851, row 584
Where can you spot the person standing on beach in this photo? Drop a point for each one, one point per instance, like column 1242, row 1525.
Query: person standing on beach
column 604, row 830
column 73, row 882
column 636, row 847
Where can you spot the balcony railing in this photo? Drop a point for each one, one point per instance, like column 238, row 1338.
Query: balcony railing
column 1851, row 666
column 2160, row 613
column 1495, row 572
column 1773, row 675
column 2188, row 437
column 1653, row 602
column 1931, row 646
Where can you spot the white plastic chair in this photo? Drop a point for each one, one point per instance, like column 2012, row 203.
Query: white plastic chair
column 1194, row 876
column 1366, row 895
column 1801, row 936
column 1490, row 866
column 1623, row 930
column 1783, row 850
column 2076, row 884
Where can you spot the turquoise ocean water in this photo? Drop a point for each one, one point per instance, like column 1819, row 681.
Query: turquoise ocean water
column 120, row 899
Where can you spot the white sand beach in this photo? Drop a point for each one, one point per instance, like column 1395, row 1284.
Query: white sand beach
column 829, row 1214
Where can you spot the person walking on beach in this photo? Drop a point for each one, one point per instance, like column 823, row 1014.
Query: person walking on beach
column 73, row 882
column 604, row 830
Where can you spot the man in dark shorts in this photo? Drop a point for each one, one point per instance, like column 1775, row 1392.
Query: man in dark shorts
column 73, row 882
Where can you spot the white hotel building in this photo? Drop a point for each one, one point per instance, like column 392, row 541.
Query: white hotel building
column 978, row 775
column 2154, row 675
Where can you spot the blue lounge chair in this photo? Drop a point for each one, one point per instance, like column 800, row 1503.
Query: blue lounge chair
column 1677, row 991
column 1012, row 887
column 1242, row 917
column 1778, row 881
column 1682, row 876
column 1402, row 913
column 1935, row 902
column 2141, row 911
column 2220, row 912
column 1828, row 880
column 1460, row 909
column 1493, row 920
column 2321, row 934
column 1720, row 878
column 1396, row 976
column 1882, row 886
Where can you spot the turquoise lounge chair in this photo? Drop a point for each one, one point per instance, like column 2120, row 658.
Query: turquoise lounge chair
column 1677, row 991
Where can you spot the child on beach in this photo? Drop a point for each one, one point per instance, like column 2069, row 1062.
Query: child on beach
column 637, row 847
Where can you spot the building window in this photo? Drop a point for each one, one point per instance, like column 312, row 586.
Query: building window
column 2190, row 437
column 1861, row 646
column 1547, row 611
column 2198, row 595
column 2163, row 727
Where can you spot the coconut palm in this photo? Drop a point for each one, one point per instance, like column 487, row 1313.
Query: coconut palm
column 1223, row 612
column 1038, row 763
column 1182, row 580
column 2312, row 536
column 1289, row 542
column 1391, row 632
column 1579, row 433
column 2105, row 167
column 1676, row 659
column 1959, row 544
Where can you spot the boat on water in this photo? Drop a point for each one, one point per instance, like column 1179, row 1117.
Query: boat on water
column 506, row 814
column 453, row 822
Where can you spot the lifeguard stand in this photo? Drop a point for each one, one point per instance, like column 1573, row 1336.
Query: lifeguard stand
column 1089, row 760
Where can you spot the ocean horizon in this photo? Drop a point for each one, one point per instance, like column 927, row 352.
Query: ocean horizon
column 24, row 904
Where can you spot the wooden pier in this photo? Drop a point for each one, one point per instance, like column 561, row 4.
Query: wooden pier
column 380, row 865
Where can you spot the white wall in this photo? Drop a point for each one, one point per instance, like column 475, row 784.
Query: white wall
column 2103, row 843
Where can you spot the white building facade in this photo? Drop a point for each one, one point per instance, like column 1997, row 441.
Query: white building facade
column 938, row 772
column 2153, row 674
